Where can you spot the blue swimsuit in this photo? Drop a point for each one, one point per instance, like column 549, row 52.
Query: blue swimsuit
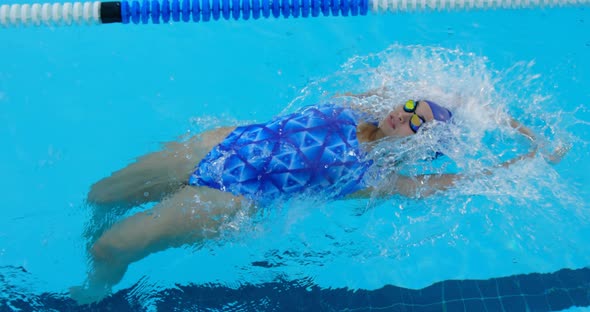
column 311, row 151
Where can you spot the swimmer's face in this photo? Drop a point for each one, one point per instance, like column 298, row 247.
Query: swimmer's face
column 397, row 122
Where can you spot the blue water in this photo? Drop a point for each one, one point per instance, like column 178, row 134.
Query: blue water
column 78, row 103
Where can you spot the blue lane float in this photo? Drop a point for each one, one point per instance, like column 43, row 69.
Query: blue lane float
column 167, row 11
column 155, row 12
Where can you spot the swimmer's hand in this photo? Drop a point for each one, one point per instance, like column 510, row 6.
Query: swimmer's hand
column 554, row 158
column 557, row 155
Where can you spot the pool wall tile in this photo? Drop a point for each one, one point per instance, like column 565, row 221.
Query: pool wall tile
column 536, row 292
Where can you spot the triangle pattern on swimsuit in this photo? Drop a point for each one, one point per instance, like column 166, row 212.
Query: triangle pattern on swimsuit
column 313, row 150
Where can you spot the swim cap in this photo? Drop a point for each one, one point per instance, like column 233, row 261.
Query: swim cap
column 440, row 113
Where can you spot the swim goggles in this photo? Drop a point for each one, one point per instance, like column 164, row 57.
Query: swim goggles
column 416, row 121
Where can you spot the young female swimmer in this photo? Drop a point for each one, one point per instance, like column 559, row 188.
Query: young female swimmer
column 319, row 149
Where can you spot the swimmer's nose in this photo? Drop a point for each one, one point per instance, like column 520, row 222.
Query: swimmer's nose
column 400, row 117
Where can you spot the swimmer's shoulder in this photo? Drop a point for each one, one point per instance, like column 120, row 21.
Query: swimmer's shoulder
column 365, row 132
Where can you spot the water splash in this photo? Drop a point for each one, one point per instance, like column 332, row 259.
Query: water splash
column 506, row 211
column 370, row 243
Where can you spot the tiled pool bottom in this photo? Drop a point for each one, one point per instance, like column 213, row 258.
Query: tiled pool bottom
column 560, row 290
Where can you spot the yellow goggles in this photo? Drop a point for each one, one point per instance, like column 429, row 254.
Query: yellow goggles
column 411, row 106
column 416, row 121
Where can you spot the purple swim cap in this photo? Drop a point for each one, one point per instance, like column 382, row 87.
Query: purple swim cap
column 440, row 113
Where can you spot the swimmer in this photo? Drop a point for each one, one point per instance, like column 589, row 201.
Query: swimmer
column 317, row 150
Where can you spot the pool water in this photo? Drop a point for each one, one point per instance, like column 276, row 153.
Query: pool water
column 77, row 103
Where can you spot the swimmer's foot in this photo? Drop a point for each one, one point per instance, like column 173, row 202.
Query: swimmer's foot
column 87, row 295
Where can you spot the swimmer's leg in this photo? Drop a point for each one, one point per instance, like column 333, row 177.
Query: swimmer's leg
column 189, row 216
column 150, row 178
column 155, row 175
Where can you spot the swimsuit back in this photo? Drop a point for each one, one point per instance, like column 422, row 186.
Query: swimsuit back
column 313, row 150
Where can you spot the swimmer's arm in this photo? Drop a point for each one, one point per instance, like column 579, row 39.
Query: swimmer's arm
column 415, row 187
column 527, row 133
column 426, row 184
column 522, row 129
column 553, row 158
column 358, row 101
column 381, row 92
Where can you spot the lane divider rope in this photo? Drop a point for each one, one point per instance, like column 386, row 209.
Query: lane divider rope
column 165, row 11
